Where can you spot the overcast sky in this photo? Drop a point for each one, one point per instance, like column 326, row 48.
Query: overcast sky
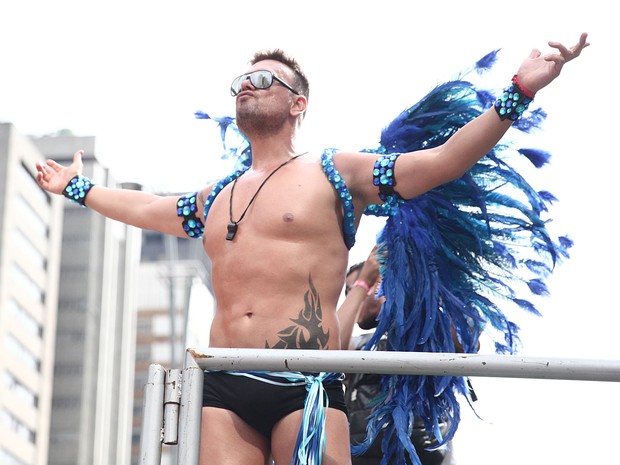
column 133, row 73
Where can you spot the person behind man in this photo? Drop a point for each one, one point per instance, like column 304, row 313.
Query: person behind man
column 278, row 236
column 362, row 306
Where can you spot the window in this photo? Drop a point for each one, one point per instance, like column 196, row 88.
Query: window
column 25, row 319
column 32, row 186
column 12, row 423
column 27, row 284
column 9, row 459
column 24, row 356
column 25, row 394
column 29, row 219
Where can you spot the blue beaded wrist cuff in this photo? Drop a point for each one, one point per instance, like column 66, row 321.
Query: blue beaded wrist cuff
column 514, row 101
column 186, row 209
column 77, row 189
column 383, row 176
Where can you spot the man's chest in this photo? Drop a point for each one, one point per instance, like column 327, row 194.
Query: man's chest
column 294, row 208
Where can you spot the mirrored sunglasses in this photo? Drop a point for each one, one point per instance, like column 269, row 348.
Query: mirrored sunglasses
column 261, row 79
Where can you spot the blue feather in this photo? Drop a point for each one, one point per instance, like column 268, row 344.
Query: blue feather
column 538, row 157
column 538, row 287
column 531, row 120
column 486, row 62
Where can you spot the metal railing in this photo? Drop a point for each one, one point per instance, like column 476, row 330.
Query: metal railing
column 173, row 398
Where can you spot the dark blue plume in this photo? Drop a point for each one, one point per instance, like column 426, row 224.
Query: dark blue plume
column 455, row 257
column 236, row 146
column 538, row 157
column 486, row 62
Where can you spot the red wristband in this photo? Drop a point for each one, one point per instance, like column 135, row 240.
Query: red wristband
column 363, row 284
column 528, row 93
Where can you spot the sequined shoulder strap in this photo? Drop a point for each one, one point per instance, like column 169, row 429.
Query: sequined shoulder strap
column 217, row 188
column 348, row 227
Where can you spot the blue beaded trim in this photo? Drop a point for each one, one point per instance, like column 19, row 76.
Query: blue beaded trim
column 217, row 188
column 348, row 228
column 77, row 189
column 332, row 175
column 512, row 103
column 186, row 209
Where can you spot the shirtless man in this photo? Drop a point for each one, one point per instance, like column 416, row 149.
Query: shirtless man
column 278, row 238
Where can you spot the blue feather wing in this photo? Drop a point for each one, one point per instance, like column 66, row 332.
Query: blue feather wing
column 454, row 258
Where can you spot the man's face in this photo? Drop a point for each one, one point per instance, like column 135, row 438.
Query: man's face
column 264, row 111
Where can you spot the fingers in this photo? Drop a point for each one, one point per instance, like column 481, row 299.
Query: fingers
column 583, row 41
column 535, row 53
column 53, row 165
column 77, row 157
column 42, row 175
column 556, row 58
column 50, row 173
column 566, row 53
column 41, row 169
column 57, row 167
column 576, row 50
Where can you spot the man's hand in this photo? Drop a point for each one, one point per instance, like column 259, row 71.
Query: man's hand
column 54, row 177
column 538, row 70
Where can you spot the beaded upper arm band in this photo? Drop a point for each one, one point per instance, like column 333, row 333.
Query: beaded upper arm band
column 186, row 209
column 383, row 176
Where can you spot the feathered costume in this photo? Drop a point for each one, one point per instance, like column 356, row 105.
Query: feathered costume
column 451, row 258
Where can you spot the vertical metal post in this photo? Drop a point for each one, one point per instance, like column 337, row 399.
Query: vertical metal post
column 152, row 417
column 172, row 401
column 190, row 414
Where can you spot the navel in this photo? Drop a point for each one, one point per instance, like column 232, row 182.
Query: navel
column 288, row 217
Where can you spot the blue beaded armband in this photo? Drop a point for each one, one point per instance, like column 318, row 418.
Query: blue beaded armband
column 514, row 101
column 383, row 176
column 186, row 209
column 77, row 189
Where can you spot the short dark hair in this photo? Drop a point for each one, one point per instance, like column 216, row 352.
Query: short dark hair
column 354, row 268
column 357, row 266
column 301, row 83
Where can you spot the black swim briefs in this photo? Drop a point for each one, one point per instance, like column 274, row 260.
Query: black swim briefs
column 260, row 404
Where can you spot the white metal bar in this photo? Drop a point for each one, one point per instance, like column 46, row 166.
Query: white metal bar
column 409, row 363
column 172, row 400
column 190, row 414
column 152, row 416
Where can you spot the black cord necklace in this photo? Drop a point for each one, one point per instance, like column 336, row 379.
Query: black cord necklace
column 234, row 225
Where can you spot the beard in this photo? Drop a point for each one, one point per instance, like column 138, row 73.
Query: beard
column 254, row 120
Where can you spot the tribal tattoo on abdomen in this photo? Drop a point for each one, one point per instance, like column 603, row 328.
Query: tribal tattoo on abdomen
column 306, row 332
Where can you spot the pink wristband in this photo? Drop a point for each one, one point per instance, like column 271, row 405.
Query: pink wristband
column 363, row 284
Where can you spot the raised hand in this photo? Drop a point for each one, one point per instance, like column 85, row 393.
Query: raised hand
column 538, row 70
column 370, row 269
column 53, row 177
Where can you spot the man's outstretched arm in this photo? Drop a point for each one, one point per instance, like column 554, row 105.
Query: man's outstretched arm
column 420, row 171
column 452, row 159
column 141, row 209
